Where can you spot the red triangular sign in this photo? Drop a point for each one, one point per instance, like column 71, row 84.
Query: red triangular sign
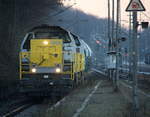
column 135, row 5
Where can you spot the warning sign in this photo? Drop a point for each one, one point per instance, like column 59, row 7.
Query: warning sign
column 135, row 5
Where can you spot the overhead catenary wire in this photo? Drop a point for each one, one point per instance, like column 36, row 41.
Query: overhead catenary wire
column 51, row 15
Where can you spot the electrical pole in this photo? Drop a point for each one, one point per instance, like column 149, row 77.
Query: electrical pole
column 112, row 37
column 109, row 38
column 113, row 19
column 117, row 44
column 130, row 46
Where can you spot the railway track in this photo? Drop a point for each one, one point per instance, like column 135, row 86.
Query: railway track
column 16, row 107
column 20, row 106
column 143, row 79
column 17, row 110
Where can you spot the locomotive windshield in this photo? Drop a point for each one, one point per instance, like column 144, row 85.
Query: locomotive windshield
column 53, row 35
column 46, row 35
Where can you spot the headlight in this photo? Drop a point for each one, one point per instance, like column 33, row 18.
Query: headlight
column 58, row 70
column 45, row 42
column 33, row 70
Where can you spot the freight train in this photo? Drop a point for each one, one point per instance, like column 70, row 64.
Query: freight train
column 52, row 58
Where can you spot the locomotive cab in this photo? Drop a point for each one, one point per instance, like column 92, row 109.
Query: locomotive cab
column 43, row 52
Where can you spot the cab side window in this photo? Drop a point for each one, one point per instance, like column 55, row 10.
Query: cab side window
column 27, row 42
column 77, row 42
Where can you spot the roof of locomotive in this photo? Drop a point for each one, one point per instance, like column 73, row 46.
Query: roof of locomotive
column 47, row 28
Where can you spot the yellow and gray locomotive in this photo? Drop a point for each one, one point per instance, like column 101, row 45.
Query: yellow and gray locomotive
column 51, row 56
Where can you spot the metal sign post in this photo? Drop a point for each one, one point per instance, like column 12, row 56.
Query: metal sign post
column 134, row 6
column 135, row 60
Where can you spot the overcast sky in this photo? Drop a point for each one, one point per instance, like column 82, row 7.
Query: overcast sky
column 99, row 8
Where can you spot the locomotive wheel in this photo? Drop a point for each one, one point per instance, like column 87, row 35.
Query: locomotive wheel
column 76, row 80
column 82, row 78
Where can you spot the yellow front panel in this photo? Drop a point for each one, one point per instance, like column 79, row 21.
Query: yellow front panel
column 46, row 52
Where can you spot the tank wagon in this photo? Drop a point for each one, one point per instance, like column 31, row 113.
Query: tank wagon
column 52, row 58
